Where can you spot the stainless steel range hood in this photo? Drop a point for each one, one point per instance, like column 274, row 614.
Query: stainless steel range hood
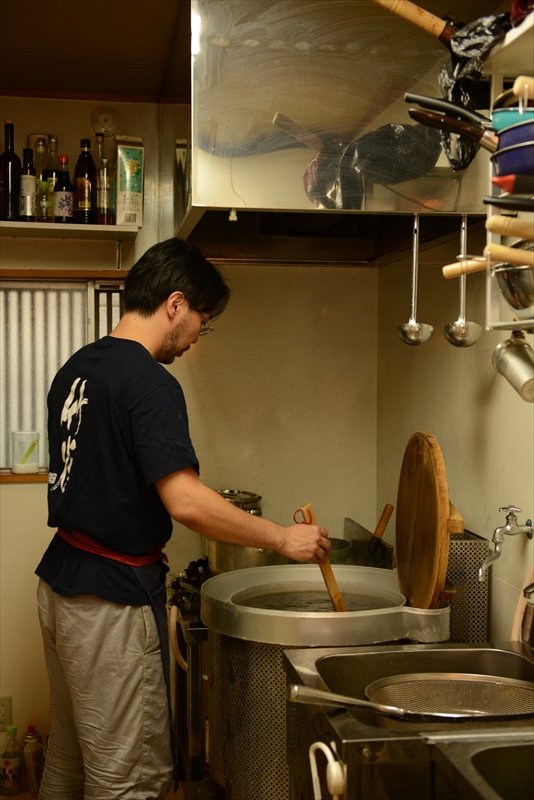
column 279, row 89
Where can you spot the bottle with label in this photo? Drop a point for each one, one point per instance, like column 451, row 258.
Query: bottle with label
column 32, row 749
column 63, row 193
column 9, row 176
column 50, row 173
column 11, row 764
column 104, row 214
column 28, row 187
column 85, row 185
column 41, row 190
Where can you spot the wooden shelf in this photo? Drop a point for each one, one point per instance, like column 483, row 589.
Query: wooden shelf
column 6, row 476
column 50, row 230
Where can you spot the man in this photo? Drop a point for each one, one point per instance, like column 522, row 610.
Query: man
column 121, row 465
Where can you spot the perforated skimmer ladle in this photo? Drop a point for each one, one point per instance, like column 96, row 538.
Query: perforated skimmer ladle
column 461, row 332
column 413, row 332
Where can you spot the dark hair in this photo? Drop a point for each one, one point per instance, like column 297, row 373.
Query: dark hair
column 175, row 266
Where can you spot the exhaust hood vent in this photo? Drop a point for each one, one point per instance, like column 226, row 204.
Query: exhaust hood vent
column 329, row 239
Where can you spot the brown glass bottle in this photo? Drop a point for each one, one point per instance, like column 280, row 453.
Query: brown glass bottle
column 9, row 176
column 85, row 186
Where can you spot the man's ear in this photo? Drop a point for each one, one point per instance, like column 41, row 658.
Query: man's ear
column 174, row 302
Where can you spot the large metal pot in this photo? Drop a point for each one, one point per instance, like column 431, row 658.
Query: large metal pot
column 225, row 557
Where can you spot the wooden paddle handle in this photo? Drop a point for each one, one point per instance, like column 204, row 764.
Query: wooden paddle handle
column 331, row 585
column 381, row 527
column 419, row 17
column 326, row 567
column 464, row 267
column 509, row 255
column 511, row 226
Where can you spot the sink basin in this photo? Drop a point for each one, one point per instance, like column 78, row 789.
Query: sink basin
column 509, row 772
column 492, row 770
column 350, row 670
column 350, row 673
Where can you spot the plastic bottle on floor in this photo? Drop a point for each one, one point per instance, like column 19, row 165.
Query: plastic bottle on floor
column 11, row 764
column 32, row 745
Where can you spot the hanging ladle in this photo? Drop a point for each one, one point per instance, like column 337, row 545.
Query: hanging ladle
column 413, row 332
column 461, row 332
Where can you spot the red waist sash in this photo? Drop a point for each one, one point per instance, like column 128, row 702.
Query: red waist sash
column 84, row 542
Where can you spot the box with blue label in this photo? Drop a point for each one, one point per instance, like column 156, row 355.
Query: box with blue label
column 130, row 173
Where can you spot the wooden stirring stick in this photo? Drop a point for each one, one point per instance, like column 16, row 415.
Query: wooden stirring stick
column 326, row 567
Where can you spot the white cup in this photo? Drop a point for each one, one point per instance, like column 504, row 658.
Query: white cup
column 24, row 452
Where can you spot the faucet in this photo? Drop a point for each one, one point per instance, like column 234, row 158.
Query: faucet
column 510, row 529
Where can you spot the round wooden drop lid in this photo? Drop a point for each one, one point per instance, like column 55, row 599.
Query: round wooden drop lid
column 422, row 530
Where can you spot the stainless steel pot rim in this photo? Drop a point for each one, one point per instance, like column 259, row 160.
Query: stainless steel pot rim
column 227, row 587
column 316, row 629
column 239, row 495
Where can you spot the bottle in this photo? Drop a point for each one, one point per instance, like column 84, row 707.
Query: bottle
column 11, row 764
column 9, row 176
column 85, row 185
column 63, row 192
column 28, row 187
column 104, row 215
column 51, row 172
column 32, row 749
column 41, row 185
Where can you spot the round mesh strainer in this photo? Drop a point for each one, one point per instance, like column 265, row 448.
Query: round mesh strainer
column 454, row 693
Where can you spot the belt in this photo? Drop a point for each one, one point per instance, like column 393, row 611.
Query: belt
column 84, row 542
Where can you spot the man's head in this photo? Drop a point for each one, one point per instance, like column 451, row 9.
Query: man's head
column 175, row 266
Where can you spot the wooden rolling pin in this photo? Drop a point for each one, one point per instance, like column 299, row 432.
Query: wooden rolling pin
column 326, row 568
column 524, row 87
column 498, row 253
column 511, row 226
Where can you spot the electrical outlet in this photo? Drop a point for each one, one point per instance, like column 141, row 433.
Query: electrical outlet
column 5, row 712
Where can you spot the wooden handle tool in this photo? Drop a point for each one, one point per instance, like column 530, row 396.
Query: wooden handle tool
column 326, row 567
column 498, row 253
column 524, row 87
column 380, row 527
column 421, row 18
column 464, row 267
column 511, row 226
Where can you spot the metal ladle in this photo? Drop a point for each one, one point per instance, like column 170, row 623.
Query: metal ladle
column 413, row 332
column 462, row 332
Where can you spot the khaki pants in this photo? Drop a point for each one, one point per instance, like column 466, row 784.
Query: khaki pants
column 110, row 728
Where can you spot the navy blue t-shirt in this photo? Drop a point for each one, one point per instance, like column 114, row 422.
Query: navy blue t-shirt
column 117, row 422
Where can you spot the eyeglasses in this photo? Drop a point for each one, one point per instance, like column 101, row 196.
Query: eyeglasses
column 205, row 328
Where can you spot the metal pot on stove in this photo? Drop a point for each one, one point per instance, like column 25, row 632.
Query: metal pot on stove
column 225, row 557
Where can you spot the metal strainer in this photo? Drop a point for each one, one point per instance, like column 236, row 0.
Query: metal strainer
column 454, row 693
column 433, row 697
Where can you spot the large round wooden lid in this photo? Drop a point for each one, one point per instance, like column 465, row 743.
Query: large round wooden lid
column 422, row 531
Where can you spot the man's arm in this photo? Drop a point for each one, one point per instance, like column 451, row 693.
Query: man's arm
column 203, row 510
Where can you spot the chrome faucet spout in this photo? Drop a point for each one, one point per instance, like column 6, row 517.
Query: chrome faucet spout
column 489, row 561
